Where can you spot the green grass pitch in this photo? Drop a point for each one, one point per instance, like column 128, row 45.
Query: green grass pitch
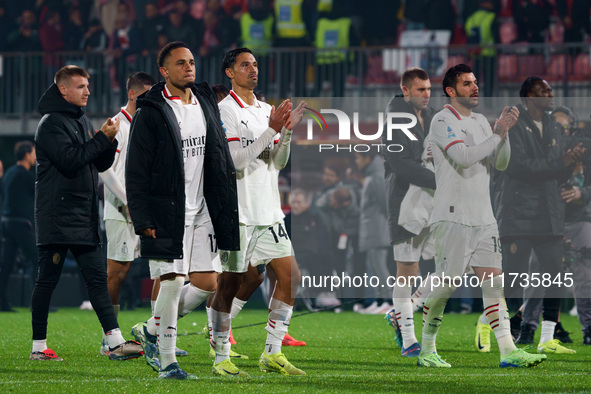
column 346, row 352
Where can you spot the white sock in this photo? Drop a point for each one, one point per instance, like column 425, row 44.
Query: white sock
column 152, row 325
column 114, row 338
column 191, row 298
column 39, row 345
column 153, row 303
column 483, row 319
column 421, row 294
column 116, row 309
column 221, row 322
column 237, row 305
column 495, row 310
column 432, row 316
column 547, row 331
column 277, row 325
column 166, row 310
column 404, row 314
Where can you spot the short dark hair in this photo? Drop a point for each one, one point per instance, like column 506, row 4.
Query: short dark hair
column 568, row 111
column 22, row 148
column 166, row 49
column 67, row 72
column 139, row 79
column 528, row 85
column 230, row 58
column 221, row 91
column 409, row 75
column 453, row 73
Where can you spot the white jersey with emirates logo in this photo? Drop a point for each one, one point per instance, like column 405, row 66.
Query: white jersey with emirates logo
column 115, row 208
column 462, row 195
column 259, row 201
column 191, row 121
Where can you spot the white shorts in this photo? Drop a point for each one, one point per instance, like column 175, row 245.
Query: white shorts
column 410, row 250
column 122, row 242
column 200, row 251
column 458, row 246
column 258, row 245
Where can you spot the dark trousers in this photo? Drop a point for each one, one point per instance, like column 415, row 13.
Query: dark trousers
column 516, row 260
column 16, row 233
column 93, row 266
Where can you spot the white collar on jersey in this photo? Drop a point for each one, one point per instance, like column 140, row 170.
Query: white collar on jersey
column 241, row 103
column 177, row 99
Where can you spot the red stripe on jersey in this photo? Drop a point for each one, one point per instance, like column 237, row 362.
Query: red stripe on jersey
column 166, row 94
column 233, row 139
column 236, row 99
column 453, row 111
column 452, row 143
column 127, row 115
column 276, row 142
column 118, row 150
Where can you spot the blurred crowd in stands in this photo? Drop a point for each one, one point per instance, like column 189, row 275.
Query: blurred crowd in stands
column 134, row 27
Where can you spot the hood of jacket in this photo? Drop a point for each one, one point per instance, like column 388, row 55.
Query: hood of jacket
column 53, row 101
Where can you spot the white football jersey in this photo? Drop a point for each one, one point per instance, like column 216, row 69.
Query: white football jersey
column 115, row 208
column 462, row 195
column 258, row 190
column 191, row 121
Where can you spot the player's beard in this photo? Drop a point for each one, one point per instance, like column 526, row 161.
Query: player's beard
column 467, row 102
column 187, row 85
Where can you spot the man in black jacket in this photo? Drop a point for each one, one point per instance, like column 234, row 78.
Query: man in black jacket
column 181, row 186
column 17, row 227
column 529, row 208
column 403, row 169
column 69, row 155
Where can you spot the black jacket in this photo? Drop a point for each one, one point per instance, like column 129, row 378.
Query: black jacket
column 404, row 168
column 155, row 176
column 527, row 193
column 69, row 157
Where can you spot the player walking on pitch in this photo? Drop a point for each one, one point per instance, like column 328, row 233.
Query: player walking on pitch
column 464, row 227
column 259, row 137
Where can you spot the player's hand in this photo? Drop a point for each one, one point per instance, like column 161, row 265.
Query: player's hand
column 507, row 120
column 149, row 232
column 573, row 155
column 570, row 195
column 279, row 116
column 110, row 128
column 427, row 154
column 296, row 116
column 127, row 213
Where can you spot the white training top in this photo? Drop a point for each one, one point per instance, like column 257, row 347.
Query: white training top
column 258, row 192
column 193, row 127
column 463, row 149
column 115, row 197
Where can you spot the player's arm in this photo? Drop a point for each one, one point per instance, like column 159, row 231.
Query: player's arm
column 506, row 121
column 466, row 156
column 242, row 156
column 282, row 148
column 112, row 182
column 69, row 157
column 138, row 169
column 502, row 155
column 110, row 128
column 405, row 166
